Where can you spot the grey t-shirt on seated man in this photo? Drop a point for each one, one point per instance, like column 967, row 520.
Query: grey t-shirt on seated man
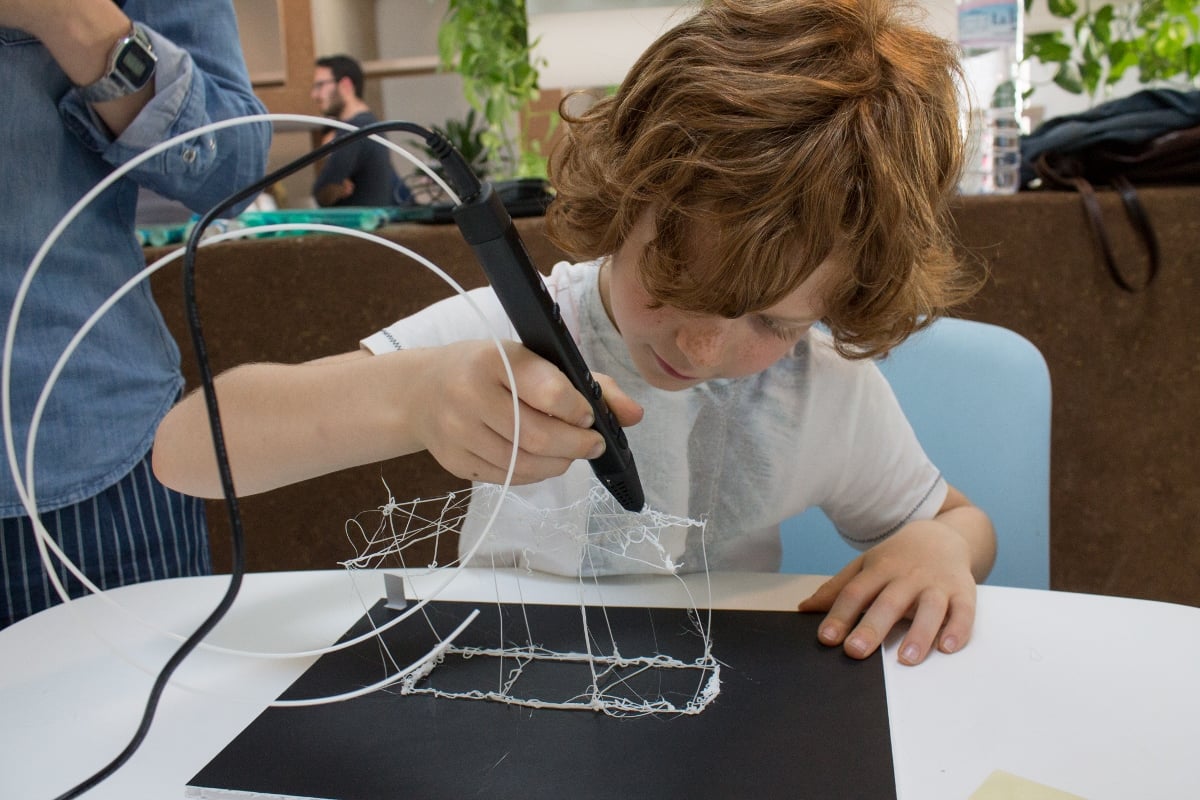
column 368, row 166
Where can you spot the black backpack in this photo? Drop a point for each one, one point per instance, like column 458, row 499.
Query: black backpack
column 1151, row 137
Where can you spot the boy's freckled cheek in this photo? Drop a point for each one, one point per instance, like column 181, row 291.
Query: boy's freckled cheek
column 752, row 360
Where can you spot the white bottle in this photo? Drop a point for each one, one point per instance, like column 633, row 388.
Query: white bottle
column 990, row 34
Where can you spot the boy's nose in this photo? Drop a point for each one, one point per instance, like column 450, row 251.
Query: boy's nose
column 704, row 344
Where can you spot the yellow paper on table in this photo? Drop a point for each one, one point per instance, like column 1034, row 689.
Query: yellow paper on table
column 1001, row 785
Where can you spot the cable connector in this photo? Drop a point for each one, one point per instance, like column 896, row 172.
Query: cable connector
column 458, row 173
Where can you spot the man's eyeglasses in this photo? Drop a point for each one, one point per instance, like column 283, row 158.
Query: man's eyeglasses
column 316, row 87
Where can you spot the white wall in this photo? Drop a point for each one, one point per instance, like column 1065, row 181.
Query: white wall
column 585, row 48
column 344, row 26
column 407, row 28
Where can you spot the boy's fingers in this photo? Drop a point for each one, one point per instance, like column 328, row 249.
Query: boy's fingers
column 957, row 630
column 625, row 408
column 927, row 621
column 541, row 435
column 856, row 591
column 825, row 595
column 543, row 387
column 488, row 457
column 889, row 607
column 832, row 630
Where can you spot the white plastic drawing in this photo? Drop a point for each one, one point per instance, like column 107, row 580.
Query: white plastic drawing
column 608, row 673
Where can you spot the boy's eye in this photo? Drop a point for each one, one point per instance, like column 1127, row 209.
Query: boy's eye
column 786, row 331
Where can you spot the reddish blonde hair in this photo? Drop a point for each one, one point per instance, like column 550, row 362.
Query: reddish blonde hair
column 784, row 131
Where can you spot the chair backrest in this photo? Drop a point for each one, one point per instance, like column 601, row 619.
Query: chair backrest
column 978, row 397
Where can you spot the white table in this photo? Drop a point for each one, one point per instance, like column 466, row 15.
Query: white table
column 1091, row 695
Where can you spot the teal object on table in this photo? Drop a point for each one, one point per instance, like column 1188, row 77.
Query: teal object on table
column 363, row 218
column 161, row 235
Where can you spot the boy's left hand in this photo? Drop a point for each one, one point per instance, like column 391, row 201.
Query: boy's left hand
column 923, row 573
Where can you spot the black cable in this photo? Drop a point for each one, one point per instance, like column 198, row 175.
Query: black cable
column 462, row 180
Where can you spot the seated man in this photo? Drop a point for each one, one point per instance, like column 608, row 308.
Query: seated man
column 361, row 173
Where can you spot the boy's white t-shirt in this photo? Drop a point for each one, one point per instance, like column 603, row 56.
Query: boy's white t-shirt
column 815, row 429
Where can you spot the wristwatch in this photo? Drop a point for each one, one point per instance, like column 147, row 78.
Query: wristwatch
column 130, row 67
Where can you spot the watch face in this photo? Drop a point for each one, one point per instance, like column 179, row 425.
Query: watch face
column 134, row 64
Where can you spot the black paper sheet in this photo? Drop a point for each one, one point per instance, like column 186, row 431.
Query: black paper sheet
column 793, row 718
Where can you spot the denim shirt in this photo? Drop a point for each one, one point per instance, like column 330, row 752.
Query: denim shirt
column 107, row 403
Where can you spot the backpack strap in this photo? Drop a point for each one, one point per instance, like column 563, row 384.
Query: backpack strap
column 1055, row 174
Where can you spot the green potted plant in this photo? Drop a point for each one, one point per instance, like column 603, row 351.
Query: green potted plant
column 467, row 135
column 1158, row 38
column 487, row 43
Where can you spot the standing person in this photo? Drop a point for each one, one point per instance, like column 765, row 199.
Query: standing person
column 360, row 173
column 90, row 84
column 766, row 165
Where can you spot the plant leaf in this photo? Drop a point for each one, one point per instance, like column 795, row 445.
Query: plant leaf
column 1062, row 8
column 1067, row 78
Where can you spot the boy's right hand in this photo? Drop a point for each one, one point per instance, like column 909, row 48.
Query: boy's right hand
column 464, row 413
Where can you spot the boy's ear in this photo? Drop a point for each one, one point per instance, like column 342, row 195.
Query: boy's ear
column 644, row 228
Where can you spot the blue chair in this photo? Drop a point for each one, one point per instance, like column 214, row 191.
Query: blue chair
column 978, row 397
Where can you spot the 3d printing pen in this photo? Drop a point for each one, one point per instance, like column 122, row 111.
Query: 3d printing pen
column 488, row 229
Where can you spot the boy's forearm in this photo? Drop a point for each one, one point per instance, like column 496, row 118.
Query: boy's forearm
column 287, row 423
column 976, row 529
